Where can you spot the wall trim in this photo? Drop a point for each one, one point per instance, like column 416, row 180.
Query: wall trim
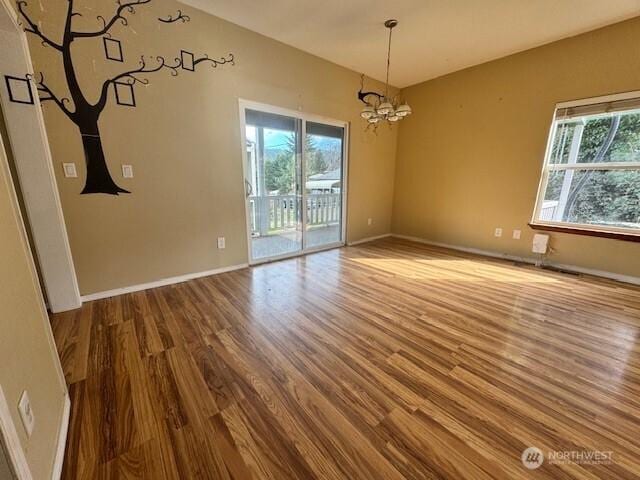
column 369, row 239
column 161, row 283
column 504, row 256
column 12, row 441
column 62, row 438
column 40, row 195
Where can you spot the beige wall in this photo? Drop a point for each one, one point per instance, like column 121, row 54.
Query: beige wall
column 469, row 159
column 28, row 360
column 183, row 140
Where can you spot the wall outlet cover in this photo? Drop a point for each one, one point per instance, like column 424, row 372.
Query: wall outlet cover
column 498, row 232
column 221, row 242
column 517, row 234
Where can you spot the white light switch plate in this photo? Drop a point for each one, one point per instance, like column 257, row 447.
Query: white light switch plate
column 369, row 221
column 127, row 171
column 26, row 414
column 70, row 170
column 516, row 234
column 498, row 232
column 221, row 242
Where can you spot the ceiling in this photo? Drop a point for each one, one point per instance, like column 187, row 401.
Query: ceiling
column 434, row 37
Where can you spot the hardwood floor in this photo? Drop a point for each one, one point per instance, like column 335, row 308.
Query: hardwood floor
column 388, row 360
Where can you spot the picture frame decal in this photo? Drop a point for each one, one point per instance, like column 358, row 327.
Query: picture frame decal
column 187, row 60
column 19, row 90
column 125, row 94
column 112, row 49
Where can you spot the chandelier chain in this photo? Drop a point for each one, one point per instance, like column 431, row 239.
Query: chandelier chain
column 386, row 92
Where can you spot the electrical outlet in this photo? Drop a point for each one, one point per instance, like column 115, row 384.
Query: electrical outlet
column 369, row 221
column 498, row 232
column 26, row 414
column 70, row 170
column 516, row 234
column 221, row 243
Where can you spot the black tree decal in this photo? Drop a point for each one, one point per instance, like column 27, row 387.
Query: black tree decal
column 179, row 17
column 78, row 109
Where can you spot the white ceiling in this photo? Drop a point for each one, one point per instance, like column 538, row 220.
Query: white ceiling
column 434, row 37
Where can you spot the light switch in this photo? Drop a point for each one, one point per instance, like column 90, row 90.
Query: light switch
column 70, row 170
column 516, row 234
column 127, row 171
column 498, row 232
column 221, row 243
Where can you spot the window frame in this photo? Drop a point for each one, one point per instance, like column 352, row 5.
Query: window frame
column 620, row 233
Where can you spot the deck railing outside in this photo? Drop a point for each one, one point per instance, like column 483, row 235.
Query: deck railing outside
column 548, row 209
column 279, row 212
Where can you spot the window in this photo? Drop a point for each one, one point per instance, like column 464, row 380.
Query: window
column 591, row 177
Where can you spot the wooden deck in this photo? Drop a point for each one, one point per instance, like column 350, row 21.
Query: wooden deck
column 288, row 242
column 387, row 360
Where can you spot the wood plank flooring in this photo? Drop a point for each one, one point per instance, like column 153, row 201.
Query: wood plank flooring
column 388, row 360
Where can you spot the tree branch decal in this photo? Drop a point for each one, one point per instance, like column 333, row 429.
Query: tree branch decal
column 131, row 76
column 84, row 114
column 171, row 19
column 128, row 7
column 32, row 27
column 214, row 63
column 44, row 89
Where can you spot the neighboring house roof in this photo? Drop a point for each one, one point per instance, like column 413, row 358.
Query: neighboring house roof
column 324, row 181
column 321, row 184
column 332, row 175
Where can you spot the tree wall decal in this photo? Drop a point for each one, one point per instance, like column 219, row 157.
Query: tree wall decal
column 84, row 114
column 179, row 16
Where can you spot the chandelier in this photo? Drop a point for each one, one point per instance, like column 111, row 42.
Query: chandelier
column 379, row 107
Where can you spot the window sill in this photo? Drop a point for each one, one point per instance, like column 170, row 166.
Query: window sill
column 629, row 237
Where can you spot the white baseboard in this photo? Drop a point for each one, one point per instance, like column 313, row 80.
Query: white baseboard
column 160, row 283
column 488, row 253
column 478, row 251
column 62, row 438
column 368, row 239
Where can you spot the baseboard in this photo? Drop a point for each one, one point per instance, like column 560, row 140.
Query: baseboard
column 160, row 283
column 488, row 253
column 368, row 239
column 477, row 251
column 597, row 273
column 62, row 438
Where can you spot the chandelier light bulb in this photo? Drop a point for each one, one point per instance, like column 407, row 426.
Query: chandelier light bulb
column 367, row 112
column 385, row 108
column 403, row 110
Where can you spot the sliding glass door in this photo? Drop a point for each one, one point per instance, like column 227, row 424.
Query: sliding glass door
column 294, row 182
column 324, row 151
column 272, row 182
